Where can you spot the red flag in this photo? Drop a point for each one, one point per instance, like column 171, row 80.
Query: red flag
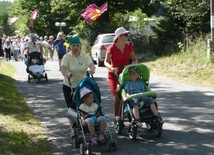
column 93, row 12
column 33, row 14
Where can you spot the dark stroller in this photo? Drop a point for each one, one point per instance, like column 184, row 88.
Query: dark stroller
column 146, row 115
column 35, row 67
column 80, row 138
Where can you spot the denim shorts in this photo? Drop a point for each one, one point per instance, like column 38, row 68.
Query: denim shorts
column 60, row 56
column 147, row 100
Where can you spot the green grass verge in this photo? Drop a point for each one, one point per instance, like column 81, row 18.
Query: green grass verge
column 191, row 66
column 20, row 131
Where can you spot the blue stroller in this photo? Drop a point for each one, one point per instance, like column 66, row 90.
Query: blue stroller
column 79, row 139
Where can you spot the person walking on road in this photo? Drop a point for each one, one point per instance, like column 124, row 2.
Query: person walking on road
column 118, row 56
column 74, row 68
column 50, row 49
column 7, row 47
column 16, row 48
column 60, row 48
column 33, row 45
column 1, row 47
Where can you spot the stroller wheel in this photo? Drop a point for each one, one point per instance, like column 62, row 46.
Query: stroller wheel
column 155, row 127
column 118, row 126
column 46, row 77
column 82, row 149
column 85, row 149
column 149, row 126
column 28, row 78
column 111, row 146
column 108, row 146
column 39, row 79
column 133, row 132
column 158, row 129
column 76, row 142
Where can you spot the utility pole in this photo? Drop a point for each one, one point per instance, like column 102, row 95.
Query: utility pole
column 212, row 19
column 211, row 41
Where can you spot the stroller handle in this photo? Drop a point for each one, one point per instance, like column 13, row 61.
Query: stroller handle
column 149, row 93
column 88, row 74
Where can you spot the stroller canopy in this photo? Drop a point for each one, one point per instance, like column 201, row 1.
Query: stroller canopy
column 90, row 84
column 36, row 55
column 144, row 73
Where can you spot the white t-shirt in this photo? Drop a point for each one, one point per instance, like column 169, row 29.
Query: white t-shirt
column 33, row 46
column 90, row 110
column 16, row 45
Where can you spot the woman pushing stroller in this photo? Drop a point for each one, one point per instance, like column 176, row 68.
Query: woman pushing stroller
column 91, row 116
column 118, row 56
column 74, row 67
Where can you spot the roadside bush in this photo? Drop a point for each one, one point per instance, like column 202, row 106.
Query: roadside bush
column 141, row 43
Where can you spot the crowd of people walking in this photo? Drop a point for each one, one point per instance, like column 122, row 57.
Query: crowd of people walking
column 18, row 47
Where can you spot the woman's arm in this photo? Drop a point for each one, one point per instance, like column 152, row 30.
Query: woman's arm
column 65, row 72
column 107, row 63
column 92, row 68
column 133, row 58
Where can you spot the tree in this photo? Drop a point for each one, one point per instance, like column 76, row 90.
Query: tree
column 192, row 16
column 181, row 20
column 5, row 8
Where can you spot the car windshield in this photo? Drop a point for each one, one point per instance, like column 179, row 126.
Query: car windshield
column 108, row 39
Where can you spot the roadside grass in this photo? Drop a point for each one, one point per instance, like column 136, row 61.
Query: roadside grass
column 20, row 131
column 190, row 66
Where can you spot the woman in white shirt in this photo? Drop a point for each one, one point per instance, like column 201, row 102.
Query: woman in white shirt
column 16, row 48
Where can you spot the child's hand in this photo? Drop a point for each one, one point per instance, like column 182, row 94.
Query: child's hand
column 83, row 121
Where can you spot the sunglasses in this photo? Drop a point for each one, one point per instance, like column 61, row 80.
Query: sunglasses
column 126, row 34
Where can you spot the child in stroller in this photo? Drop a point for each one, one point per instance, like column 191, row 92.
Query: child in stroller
column 134, row 86
column 89, row 117
column 138, row 106
column 35, row 66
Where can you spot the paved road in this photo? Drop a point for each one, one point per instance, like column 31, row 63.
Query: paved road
column 187, row 111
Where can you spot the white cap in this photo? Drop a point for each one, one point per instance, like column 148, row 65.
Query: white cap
column 32, row 35
column 119, row 31
column 84, row 91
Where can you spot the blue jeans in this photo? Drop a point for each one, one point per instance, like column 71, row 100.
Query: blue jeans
column 147, row 100
column 15, row 54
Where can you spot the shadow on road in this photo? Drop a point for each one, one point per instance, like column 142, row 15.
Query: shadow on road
column 188, row 116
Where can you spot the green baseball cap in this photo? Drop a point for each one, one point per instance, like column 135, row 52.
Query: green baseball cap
column 74, row 40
